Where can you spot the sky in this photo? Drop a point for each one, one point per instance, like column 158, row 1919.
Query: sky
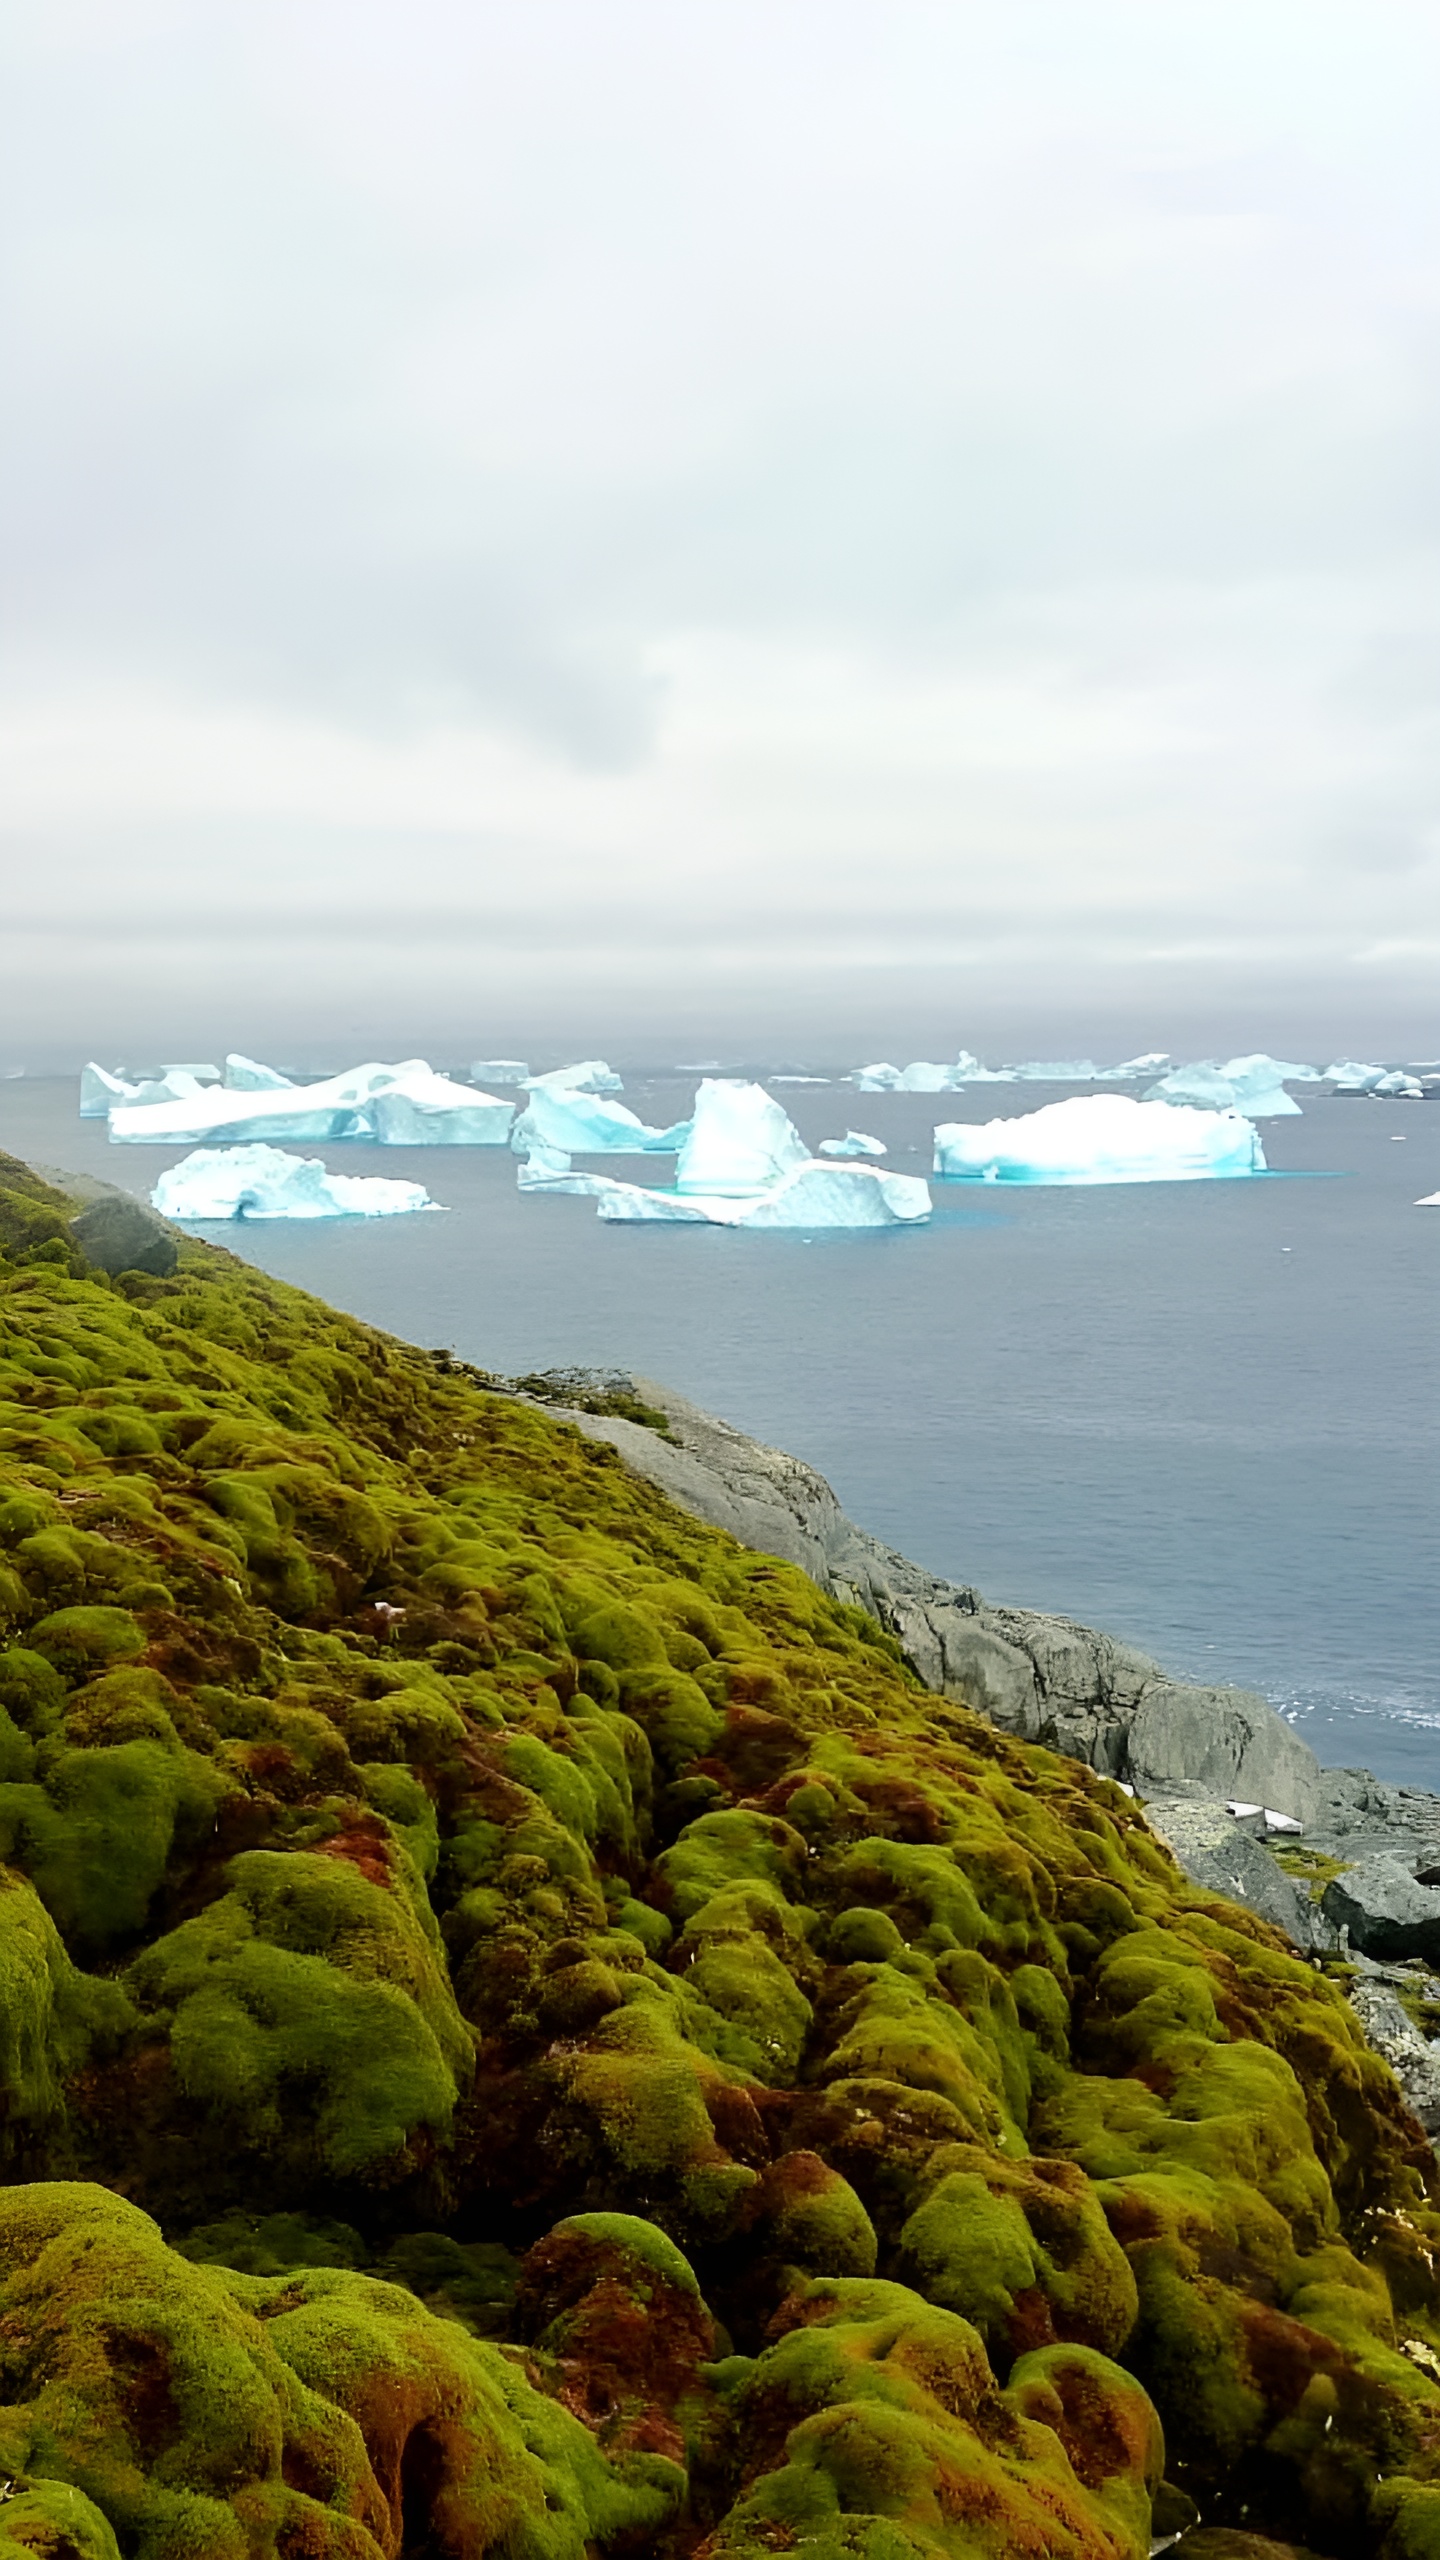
column 791, row 521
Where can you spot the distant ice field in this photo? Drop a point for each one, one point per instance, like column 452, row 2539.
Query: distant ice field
column 1200, row 1415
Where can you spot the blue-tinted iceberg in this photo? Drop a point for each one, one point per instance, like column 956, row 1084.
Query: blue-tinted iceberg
column 570, row 1121
column 742, row 1163
column 101, row 1092
column 422, row 1109
column 1102, row 1137
column 740, row 1141
column 810, row 1195
column 265, row 1182
column 591, row 1075
column 923, row 1075
column 854, row 1143
column 246, row 1075
column 499, row 1071
column 1386, row 1084
column 1254, row 1085
column 419, row 1109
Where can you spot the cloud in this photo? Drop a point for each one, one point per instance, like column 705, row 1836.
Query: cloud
column 810, row 480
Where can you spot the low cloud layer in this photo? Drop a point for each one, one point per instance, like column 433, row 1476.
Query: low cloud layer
column 850, row 506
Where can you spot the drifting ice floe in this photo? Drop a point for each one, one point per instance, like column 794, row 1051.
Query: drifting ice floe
column 264, row 1182
column 405, row 1105
column 571, row 1121
column 924, row 1076
column 590, row 1076
column 1102, row 1137
column 854, row 1143
column 1254, row 1085
column 499, row 1071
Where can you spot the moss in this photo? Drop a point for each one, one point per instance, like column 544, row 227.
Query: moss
column 475, row 1844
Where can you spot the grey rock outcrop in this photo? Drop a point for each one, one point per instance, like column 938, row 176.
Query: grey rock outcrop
column 1398, row 2041
column 118, row 1233
column 1385, row 1911
column 1218, row 1853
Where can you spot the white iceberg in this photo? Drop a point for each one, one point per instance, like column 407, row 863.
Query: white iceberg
column 499, row 1071
column 549, row 1169
column 572, row 1121
column 810, row 1195
column 1254, row 1085
column 422, row 1109
column 1430, row 1201
column 740, row 1141
column 923, row 1075
column 591, row 1075
column 246, row 1075
column 265, row 1182
column 1102, row 1137
column 1131, row 1069
column 854, row 1143
column 102, row 1092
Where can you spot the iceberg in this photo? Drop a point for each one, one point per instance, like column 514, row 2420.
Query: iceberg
column 246, row 1075
column 740, row 1141
column 423, row 1110
column 591, row 1076
column 923, row 1075
column 572, row 1121
column 1430, row 1201
column 810, row 1195
column 265, row 1182
column 101, row 1092
column 1254, row 1085
column 854, row 1143
column 499, row 1071
column 1102, row 1137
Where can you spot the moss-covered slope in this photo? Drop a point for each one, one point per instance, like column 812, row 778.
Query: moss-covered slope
column 523, row 2029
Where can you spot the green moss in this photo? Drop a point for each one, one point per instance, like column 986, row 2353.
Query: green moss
column 82, row 1640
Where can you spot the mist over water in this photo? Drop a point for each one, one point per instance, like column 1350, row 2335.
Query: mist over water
column 1199, row 1415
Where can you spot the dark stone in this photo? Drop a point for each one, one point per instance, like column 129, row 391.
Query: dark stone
column 1228, row 2542
column 120, row 1234
column 1387, row 1913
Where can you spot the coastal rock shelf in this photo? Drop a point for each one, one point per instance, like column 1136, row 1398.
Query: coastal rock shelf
column 529, row 2030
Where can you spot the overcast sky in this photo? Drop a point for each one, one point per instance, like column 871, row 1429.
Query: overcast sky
column 719, row 515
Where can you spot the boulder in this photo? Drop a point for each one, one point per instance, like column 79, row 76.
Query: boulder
column 1217, row 1853
column 1386, row 1912
column 1230, row 1740
column 117, row 1233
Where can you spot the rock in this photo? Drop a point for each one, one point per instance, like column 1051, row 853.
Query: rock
column 1398, row 2041
column 1231, row 1740
column 1386, row 1912
column 1216, row 1852
column 117, row 1233
column 1228, row 2542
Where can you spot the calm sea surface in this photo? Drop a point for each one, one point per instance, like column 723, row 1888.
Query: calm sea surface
column 1200, row 1415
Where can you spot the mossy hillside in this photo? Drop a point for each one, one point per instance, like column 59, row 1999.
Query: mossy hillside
column 419, row 1828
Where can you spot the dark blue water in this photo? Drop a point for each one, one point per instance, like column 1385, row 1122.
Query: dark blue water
column 1201, row 1415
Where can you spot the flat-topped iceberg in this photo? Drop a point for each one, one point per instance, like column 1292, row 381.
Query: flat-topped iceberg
column 499, row 1071
column 570, row 1120
column 265, row 1182
column 855, row 1142
column 1102, row 1137
column 923, row 1075
column 405, row 1105
column 810, row 1195
column 1254, row 1085
column 590, row 1075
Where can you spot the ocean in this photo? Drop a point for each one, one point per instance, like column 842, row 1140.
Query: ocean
column 1199, row 1415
